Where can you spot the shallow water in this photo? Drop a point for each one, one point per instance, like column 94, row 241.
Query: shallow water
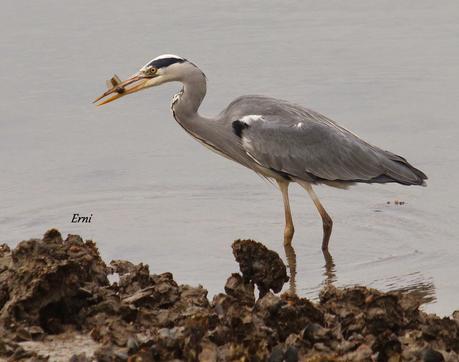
column 388, row 71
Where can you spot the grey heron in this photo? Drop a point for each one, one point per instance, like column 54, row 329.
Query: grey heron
column 279, row 140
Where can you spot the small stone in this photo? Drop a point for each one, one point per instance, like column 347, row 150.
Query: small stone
column 75, row 239
column 52, row 235
column 209, row 352
column 132, row 345
column 291, row 354
column 456, row 316
column 237, row 288
column 4, row 248
column 431, row 355
column 277, row 354
column 269, row 302
column 81, row 357
column 315, row 333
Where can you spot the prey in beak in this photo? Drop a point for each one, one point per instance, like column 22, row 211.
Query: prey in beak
column 118, row 89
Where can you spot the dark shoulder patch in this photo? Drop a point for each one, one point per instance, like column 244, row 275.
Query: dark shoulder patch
column 165, row 62
column 238, row 127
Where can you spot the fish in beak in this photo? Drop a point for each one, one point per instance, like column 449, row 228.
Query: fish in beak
column 118, row 89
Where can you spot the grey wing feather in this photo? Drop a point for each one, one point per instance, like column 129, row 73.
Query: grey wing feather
column 309, row 146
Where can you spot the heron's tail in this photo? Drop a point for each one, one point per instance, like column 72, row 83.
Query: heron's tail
column 398, row 169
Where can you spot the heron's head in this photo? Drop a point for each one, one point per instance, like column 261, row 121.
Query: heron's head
column 162, row 69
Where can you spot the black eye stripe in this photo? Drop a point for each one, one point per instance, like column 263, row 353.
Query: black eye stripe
column 165, row 62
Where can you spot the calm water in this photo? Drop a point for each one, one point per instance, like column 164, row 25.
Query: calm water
column 387, row 70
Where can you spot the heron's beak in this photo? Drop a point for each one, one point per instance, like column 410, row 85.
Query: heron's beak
column 134, row 84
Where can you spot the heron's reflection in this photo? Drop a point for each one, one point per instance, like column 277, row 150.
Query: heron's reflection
column 415, row 284
column 421, row 289
column 329, row 268
column 291, row 261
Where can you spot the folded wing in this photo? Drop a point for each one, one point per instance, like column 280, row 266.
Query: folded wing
column 313, row 148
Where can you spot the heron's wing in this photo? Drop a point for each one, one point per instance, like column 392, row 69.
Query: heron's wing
column 313, row 148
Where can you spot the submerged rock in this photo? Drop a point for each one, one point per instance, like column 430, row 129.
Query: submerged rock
column 56, row 292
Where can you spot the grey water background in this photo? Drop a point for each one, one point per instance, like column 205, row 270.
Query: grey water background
column 387, row 70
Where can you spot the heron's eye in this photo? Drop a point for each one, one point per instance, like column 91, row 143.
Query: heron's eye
column 150, row 71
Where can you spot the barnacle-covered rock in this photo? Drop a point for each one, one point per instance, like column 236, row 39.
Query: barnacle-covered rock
column 56, row 303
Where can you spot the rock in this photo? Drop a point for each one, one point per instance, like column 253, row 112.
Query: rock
column 314, row 332
column 291, row 354
column 44, row 279
column 387, row 346
column 277, row 354
column 431, row 355
column 55, row 299
column 237, row 288
column 456, row 316
column 209, row 352
column 80, row 357
column 261, row 266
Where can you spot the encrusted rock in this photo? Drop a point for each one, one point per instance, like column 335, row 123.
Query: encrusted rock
column 239, row 289
column 261, row 266
column 50, row 286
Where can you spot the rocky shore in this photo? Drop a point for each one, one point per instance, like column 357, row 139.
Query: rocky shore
column 58, row 304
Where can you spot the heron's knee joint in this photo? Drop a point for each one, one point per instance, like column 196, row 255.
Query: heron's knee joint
column 288, row 235
column 289, row 231
column 327, row 221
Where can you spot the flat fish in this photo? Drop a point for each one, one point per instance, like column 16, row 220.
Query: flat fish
column 113, row 82
column 113, row 85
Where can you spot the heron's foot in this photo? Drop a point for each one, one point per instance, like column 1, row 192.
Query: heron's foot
column 329, row 263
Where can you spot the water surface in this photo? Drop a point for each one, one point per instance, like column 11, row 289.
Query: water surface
column 387, row 70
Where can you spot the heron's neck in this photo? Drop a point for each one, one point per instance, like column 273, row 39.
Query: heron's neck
column 209, row 131
column 185, row 104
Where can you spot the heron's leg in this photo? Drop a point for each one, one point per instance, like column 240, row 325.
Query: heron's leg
column 289, row 229
column 326, row 219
